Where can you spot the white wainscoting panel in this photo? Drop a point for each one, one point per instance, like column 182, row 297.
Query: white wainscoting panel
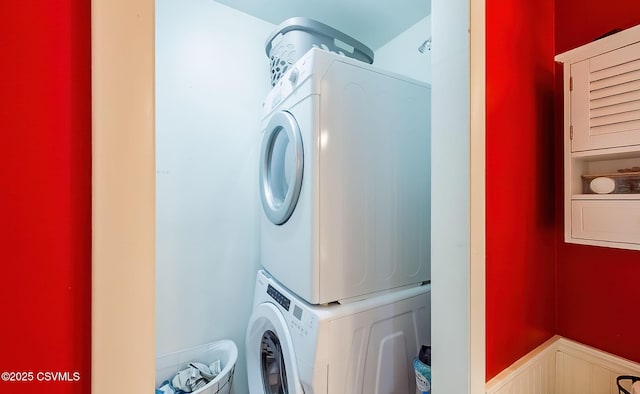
column 533, row 373
column 583, row 369
column 562, row 366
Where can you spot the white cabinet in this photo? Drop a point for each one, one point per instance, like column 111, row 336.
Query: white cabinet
column 602, row 140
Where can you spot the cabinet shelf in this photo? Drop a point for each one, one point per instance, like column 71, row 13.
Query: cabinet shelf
column 621, row 152
column 605, row 197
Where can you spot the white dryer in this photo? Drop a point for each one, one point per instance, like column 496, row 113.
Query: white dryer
column 366, row 346
column 345, row 179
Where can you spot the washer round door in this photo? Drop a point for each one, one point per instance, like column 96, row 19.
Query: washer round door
column 281, row 165
column 271, row 362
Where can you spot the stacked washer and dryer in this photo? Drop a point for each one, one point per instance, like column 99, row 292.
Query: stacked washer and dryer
column 343, row 302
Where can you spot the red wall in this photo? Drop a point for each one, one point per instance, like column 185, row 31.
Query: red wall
column 520, row 287
column 45, row 193
column 598, row 296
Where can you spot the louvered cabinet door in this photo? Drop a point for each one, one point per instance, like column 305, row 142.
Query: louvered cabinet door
column 605, row 100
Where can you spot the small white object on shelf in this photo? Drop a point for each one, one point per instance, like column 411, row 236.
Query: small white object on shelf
column 602, row 185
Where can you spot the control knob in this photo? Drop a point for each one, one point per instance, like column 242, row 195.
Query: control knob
column 293, row 77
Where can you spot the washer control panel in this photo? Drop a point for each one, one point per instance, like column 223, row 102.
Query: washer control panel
column 279, row 297
column 299, row 316
column 301, row 322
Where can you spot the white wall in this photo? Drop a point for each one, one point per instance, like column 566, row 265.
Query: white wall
column 211, row 77
column 401, row 54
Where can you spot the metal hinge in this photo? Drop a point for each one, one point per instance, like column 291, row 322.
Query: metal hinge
column 571, row 132
column 570, row 84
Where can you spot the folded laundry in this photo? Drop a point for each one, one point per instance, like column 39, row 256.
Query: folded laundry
column 190, row 379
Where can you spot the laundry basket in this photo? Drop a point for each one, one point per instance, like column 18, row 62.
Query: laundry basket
column 295, row 36
column 226, row 351
column 630, row 380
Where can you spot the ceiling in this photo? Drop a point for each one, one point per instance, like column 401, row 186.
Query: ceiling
column 373, row 22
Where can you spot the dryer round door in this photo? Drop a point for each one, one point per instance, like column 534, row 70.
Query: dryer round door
column 281, row 165
column 271, row 362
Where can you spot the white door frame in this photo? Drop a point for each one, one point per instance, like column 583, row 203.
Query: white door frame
column 123, row 196
column 458, row 196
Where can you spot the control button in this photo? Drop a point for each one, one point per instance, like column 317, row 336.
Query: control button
column 293, row 77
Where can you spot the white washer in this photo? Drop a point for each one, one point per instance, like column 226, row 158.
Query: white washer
column 345, row 179
column 365, row 346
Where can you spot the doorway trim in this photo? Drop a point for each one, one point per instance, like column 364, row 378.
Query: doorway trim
column 123, row 195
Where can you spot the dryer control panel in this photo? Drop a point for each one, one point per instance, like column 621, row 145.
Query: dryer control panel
column 290, row 81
